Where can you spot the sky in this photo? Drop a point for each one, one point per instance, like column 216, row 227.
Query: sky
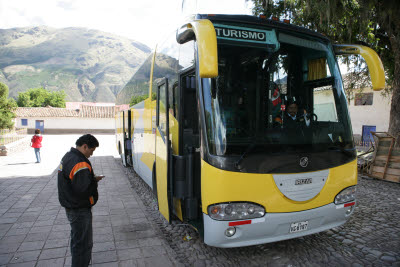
column 144, row 21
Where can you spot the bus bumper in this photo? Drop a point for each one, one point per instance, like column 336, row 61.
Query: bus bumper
column 275, row 226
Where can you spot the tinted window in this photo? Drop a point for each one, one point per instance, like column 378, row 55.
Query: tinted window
column 278, row 104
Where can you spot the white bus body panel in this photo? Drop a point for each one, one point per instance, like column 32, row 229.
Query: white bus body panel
column 274, row 226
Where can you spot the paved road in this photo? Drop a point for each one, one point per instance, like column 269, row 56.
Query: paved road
column 34, row 230
column 54, row 147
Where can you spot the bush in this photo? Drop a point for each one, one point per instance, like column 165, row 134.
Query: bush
column 40, row 97
column 7, row 108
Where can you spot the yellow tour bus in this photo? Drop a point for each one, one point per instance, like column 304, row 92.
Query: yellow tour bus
column 249, row 138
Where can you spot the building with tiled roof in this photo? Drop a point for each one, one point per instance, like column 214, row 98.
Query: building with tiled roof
column 98, row 111
column 46, row 112
column 77, row 105
column 86, row 119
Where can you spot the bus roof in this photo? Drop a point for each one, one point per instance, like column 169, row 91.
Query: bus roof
column 262, row 22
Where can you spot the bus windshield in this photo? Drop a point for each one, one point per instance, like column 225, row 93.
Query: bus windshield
column 270, row 107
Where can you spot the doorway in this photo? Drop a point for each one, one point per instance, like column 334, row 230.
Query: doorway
column 39, row 124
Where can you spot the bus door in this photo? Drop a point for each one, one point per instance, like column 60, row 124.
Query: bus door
column 125, row 141
column 123, row 138
column 128, row 137
column 163, row 150
column 187, row 169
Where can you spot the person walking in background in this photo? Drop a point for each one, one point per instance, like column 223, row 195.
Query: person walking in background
column 77, row 193
column 36, row 143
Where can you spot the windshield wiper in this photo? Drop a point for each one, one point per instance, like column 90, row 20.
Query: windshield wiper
column 248, row 149
column 344, row 151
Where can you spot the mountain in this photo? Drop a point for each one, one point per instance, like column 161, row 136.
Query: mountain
column 89, row 65
column 165, row 66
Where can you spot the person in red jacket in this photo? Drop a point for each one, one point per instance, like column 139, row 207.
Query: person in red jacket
column 36, row 143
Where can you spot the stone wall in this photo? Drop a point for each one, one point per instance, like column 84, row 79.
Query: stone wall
column 15, row 147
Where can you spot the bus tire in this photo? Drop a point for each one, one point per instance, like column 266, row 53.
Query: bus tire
column 123, row 156
column 129, row 160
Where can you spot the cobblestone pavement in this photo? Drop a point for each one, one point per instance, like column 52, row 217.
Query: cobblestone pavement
column 129, row 231
column 34, row 230
column 370, row 238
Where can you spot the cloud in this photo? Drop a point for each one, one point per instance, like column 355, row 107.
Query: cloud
column 140, row 20
column 66, row 5
column 37, row 21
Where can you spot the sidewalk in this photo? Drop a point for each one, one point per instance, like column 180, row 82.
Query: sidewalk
column 34, row 230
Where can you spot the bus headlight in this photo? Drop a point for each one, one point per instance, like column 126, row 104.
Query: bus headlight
column 346, row 195
column 235, row 211
column 230, row 231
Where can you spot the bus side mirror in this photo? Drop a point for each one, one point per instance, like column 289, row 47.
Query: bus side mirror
column 203, row 32
column 372, row 59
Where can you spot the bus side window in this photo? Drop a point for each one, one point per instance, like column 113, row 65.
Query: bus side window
column 161, row 111
column 190, row 113
column 190, row 119
column 173, row 100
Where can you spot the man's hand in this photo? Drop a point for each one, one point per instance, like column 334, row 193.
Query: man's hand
column 99, row 177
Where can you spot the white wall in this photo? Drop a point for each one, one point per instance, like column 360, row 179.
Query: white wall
column 377, row 114
column 69, row 123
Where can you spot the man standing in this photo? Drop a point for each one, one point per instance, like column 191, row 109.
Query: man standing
column 77, row 193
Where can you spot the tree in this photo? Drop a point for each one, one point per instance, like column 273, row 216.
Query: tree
column 24, row 100
column 137, row 99
column 140, row 98
column 7, row 108
column 374, row 23
column 55, row 99
column 40, row 97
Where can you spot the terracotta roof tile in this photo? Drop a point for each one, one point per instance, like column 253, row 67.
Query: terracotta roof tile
column 97, row 111
column 84, row 112
column 46, row 112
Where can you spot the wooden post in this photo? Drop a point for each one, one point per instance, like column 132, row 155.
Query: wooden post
column 388, row 157
column 369, row 170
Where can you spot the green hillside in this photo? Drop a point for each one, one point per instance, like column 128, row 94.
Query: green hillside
column 88, row 65
column 139, row 83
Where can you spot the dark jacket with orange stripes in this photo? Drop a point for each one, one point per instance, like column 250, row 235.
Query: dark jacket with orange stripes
column 77, row 187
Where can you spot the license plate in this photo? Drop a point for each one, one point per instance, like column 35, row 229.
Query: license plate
column 303, row 181
column 298, row 227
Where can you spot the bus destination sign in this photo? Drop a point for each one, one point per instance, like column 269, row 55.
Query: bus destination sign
column 245, row 34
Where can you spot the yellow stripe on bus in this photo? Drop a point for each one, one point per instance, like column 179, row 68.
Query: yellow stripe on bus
column 148, row 160
column 218, row 186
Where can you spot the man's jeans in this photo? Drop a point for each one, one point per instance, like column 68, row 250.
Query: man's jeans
column 37, row 153
column 81, row 236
